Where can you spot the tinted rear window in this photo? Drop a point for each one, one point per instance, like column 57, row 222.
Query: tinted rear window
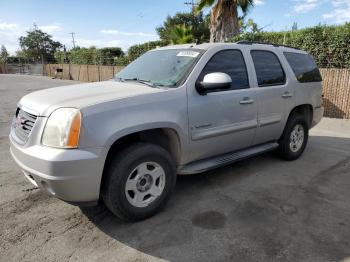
column 304, row 67
column 268, row 68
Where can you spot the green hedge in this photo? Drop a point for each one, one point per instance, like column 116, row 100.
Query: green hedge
column 90, row 56
column 137, row 50
column 330, row 45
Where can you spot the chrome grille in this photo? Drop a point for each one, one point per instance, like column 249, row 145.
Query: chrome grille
column 23, row 124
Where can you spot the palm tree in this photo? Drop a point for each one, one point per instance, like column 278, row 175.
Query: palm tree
column 181, row 34
column 224, row 19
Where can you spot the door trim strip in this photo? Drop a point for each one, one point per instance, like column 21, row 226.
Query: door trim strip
column 223, row 130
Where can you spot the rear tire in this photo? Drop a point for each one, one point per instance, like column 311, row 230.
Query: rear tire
column 139, row 181
column 294, row 138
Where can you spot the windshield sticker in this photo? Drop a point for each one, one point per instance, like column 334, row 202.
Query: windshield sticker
column 188, row 53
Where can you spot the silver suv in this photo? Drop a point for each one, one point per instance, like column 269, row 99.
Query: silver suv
column 175, row 110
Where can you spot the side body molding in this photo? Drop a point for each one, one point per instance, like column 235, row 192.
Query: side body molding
column 202, row 133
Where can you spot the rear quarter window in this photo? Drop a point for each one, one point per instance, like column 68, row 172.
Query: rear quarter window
column 304, row 67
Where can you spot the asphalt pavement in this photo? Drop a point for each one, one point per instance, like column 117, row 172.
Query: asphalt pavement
column 260, row 209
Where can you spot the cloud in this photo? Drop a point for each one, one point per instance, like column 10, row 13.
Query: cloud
column 305, row 6
column 7, row 26
column 116, row 32
column 9, row 34
column 340, row 9
column 341, row 12
column 83, row 42
column 259, row 2
column 50, row 28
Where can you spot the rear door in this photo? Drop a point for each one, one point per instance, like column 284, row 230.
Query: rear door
column 274, row 94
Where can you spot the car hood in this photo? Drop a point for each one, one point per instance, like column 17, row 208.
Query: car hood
column 43, row 102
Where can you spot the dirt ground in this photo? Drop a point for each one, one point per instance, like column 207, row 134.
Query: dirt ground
column 261, row 209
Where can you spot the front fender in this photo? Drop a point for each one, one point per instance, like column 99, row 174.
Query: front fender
column 103, row 124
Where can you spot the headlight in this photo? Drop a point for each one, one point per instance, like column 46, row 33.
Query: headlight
column 62, row 128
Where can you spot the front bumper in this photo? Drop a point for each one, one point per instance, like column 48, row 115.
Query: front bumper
column 73, row 175
column 317, row 115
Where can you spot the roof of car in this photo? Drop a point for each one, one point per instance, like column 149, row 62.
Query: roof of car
column 206, row 46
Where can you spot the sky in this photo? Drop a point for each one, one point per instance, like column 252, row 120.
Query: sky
column 124, row 23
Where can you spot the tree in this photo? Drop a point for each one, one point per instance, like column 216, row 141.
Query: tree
column 137, row 50
column 198, row 23
column 248, row 26
column 84, row 56
column 181, row 34
column 295, row 26
column 3, row 55
column 60, row 57
column 107, row 55
column 224, row 19
column 91, row 55
column 38, row 45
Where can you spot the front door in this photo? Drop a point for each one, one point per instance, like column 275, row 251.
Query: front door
column 223, row 120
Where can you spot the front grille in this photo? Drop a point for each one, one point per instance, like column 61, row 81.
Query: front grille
column 23, row 124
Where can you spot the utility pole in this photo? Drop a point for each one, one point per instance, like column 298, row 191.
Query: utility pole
column 194, row 22
column 193, row 7
column 72, row 33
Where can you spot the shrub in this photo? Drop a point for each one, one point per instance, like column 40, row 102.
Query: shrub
column 121, row 61
column 137, row 50
column 328, row 44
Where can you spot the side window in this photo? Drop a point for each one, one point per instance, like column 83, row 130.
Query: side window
column 230, row 62
column 304, row 67
column 269, row 71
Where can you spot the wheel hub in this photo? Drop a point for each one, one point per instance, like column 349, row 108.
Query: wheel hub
column 296, row 138
column 144, row 183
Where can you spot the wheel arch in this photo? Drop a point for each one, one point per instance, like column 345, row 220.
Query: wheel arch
column 304, row 110
column 167, row 138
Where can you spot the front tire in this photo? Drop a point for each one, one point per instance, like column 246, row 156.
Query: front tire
column 139, row 181
column 294, row 138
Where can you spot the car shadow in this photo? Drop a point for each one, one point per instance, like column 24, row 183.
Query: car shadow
column 261, row 208
column 332, row 110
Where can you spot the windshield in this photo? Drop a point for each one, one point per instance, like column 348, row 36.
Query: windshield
column 161, row 67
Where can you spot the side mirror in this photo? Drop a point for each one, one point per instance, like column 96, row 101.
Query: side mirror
column 213, row 81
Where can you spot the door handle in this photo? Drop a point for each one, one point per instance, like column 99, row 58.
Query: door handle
column 246, row 101
column 287, row 95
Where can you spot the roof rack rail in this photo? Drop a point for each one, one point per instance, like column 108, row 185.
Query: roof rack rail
column 245, row 42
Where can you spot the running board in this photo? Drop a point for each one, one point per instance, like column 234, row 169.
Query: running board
column 218, row 161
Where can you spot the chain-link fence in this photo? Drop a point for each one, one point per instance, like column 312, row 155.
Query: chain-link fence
column 27, row 69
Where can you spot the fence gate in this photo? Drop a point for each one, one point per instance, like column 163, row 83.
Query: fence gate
column 26, row 69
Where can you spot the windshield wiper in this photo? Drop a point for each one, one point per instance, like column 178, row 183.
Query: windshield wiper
column 142, row 81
